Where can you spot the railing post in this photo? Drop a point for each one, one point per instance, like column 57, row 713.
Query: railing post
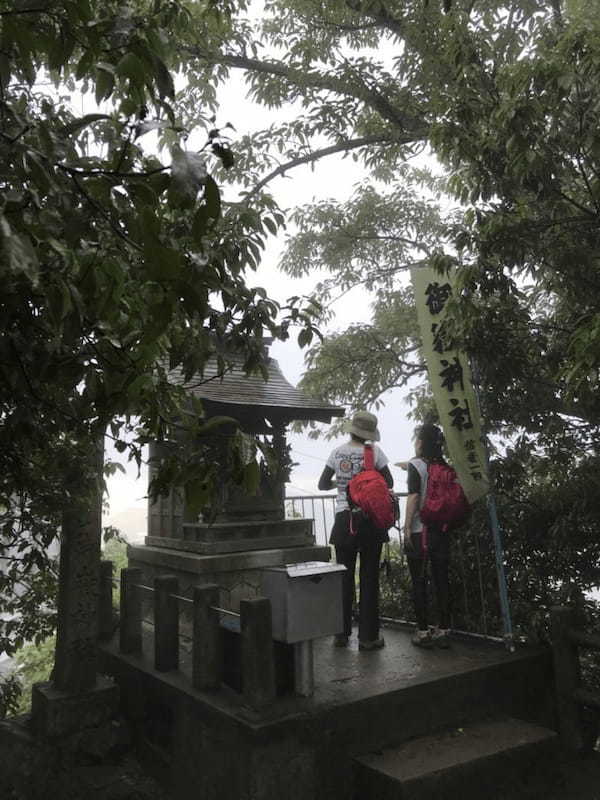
column 567, row 672
column 166, row 623
column 130, row 626
column 258, row 665
column 206, row 644
column 105, row 598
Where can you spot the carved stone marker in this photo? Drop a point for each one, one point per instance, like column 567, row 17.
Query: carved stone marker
column 74, row 699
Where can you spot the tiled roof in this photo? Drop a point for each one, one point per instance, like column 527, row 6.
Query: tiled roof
column 235, row 388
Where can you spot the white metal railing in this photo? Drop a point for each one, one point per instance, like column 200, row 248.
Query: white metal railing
column 321, row 509
column 472, row 569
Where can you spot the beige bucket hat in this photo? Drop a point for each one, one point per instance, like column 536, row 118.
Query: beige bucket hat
column 364, row 425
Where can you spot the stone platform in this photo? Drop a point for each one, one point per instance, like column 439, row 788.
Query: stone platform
column 238, row 574
column 208, row 745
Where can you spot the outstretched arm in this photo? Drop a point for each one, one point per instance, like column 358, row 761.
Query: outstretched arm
column 325, row 481
column 387, row 475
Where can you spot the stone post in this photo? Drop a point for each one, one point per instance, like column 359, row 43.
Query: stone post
column 166, row 623
column 258, row 664
column 567, row 672
column 206, row 645
column 77, row 628
column 130, row 627
column 105, row 601
column 77, row 699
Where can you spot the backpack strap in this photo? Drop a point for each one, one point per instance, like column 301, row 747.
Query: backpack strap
column 423, row 469
column 369, row 460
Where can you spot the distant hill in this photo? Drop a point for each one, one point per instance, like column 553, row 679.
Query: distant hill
column 131, row 522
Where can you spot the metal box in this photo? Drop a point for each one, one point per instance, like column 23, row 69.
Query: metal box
column 306, row 600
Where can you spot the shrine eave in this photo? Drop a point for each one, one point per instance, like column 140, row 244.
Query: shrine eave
column 274, row 398
column 281, row 413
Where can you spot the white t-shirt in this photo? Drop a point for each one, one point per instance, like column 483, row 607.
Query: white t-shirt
column 347, row 461
column 421, row 467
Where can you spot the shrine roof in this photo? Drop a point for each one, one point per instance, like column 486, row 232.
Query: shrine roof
column 235, row 388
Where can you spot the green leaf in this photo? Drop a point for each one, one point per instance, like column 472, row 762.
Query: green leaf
column 85, row 64
column 216, row 422
column 200, row 224
column 270, row 225
column 251, row 477
column 132, row 68
column 5, row 70
column 60, row 302
column 105, row 83
column 150, row 223
column 212, row 199
column 305, row 337
column 39, row 172
column 164, row 81
column 197, row 494
column 161, row 262
column 83, row 122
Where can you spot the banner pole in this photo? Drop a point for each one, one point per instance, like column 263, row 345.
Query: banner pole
column 495, row 527
column 499, row 557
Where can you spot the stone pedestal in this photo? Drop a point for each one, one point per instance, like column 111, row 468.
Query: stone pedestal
column 231, row 537
column 56, row 713
column 237, row 574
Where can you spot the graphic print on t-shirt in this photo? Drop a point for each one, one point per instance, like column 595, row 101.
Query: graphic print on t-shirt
column 346, row 467
column 347, row 461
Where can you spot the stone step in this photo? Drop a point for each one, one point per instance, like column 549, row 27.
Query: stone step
column 499, row 759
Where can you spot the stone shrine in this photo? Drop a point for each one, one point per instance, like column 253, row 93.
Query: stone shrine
column 244, row 533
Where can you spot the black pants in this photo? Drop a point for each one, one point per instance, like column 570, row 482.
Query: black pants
column 419, row 568
column 438, row 561
column 369, row 549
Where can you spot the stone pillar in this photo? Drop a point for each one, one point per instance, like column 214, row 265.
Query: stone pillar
column 567, row 674
column 166, row 623
column 206, row 644
column 78, row 591
column 130, row 628
column 105, row 601
column 258, row 662
column 77, row 699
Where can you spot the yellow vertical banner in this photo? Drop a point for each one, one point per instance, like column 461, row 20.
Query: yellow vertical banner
column 451, row 382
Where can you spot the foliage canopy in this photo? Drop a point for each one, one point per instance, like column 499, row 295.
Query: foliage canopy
column 120, row 260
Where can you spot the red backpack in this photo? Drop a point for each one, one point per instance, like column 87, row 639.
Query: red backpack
column 445, row 504
column 369, row 492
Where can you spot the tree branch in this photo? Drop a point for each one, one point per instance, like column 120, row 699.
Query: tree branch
column 341, row 147
column 111, row 173
column 105, row 214
column 315, row 80
column 377, row 238
column 381, row 17
column 21, row 11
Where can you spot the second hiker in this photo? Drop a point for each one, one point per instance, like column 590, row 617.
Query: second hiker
column 423, row 544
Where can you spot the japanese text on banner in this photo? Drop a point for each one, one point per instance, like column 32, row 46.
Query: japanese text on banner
column 451, row 383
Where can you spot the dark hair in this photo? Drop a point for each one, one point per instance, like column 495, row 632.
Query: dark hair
column 432, row 439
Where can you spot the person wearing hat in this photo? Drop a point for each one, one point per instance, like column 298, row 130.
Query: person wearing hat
column 343, row 464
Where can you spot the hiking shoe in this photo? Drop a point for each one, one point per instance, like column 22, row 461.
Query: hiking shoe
column 422, row 639
column 375, row 644
column 441, row 638
column 340, row 640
